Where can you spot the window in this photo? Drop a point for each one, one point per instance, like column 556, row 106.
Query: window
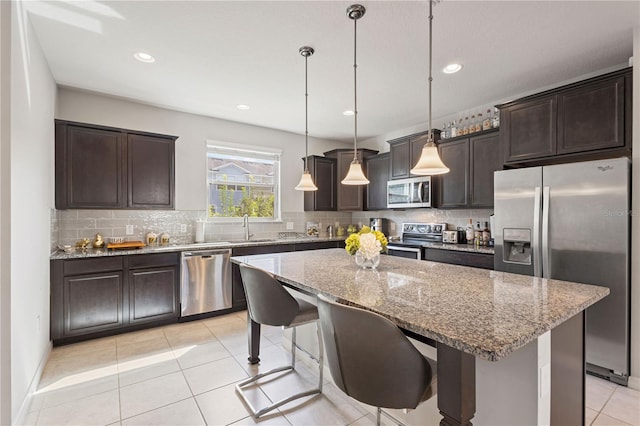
column 242, row 180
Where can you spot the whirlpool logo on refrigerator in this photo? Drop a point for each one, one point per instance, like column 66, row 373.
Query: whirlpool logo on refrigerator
column 605, row 168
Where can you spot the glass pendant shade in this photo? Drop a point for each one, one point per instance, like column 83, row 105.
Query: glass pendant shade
column 355, row 175
column 430, row 162
column 306, row 183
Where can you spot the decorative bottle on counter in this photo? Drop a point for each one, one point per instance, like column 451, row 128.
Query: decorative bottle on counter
column 454, row 129
column 477, row 235
column 486, row 234
column 469, row 232
column 465, row 129
column 479, row 122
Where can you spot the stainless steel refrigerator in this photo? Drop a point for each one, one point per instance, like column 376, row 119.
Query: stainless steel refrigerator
column 571, row 222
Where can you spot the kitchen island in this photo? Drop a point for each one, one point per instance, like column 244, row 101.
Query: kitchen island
column 470, row 315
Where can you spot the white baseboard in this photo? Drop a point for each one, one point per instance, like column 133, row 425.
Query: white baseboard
column 634, row 382
column 21, row 415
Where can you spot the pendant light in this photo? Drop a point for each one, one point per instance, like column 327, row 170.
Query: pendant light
column 355, row 176
column 306, row 182
column 430, row 162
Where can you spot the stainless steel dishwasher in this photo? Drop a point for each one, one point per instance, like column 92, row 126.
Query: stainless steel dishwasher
column 206, row 281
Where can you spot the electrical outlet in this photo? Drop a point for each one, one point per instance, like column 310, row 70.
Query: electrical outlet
column 289, row 225
column 392, row 225
column 129, row 230
column 183, row 227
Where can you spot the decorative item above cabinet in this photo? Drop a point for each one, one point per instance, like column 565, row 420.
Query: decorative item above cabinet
column 585, row 120
column 98, row 167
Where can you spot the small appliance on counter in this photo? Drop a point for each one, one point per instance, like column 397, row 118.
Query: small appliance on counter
column 450, row 237
column 379, row 224
column 454, row 237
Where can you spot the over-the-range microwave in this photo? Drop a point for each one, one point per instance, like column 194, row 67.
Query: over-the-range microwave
column 408, row 193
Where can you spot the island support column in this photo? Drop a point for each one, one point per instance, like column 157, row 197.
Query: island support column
column 456, row 386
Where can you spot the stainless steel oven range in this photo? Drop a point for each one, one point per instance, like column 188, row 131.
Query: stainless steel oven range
column 414, row 235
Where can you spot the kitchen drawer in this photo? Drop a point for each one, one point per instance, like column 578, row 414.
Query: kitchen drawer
column 90, row 266
column 464, row 258
column 152, row 260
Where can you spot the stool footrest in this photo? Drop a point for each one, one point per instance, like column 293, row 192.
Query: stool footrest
column 259, row 412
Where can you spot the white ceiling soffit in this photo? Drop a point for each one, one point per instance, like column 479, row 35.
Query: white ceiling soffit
column 213, row 55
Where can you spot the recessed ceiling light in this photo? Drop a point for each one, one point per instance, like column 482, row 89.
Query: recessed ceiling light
column 243, row 107
column 347, row 112
column 144, row 57
column 452, row 68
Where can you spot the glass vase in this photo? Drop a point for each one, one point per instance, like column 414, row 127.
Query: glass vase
column 366, row 262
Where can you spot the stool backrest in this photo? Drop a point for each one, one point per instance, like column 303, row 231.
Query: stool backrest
column 370, row 358
column 267, row 301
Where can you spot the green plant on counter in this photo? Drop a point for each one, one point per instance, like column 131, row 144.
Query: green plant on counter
column 352, row 243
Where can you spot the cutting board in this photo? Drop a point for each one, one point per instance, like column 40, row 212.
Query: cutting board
column 126, row 245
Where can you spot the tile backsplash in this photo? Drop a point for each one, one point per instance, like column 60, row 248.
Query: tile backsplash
column 70, row 226
column 453, row 218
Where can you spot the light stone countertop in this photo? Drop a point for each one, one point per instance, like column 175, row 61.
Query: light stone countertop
column 484, row 313
column 93, row 252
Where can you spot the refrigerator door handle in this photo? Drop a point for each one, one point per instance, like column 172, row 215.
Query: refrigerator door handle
column 546, row 260
column 535, row 243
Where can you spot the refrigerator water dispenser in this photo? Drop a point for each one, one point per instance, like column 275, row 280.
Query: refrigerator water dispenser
column 517, row 245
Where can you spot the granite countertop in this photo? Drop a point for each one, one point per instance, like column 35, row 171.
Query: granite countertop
column 485, row 313
column 92, row 252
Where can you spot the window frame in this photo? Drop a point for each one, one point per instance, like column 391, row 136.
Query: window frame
column 275, row 154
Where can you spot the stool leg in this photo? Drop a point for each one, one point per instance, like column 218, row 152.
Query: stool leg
column 293, row 348
column 320, row 355
column 378, row 412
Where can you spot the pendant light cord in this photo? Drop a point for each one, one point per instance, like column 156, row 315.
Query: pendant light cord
column 355, row 93
column 430, row 140
column 306, row 117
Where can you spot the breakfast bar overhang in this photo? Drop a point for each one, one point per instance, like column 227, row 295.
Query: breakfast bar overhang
column 496, row 322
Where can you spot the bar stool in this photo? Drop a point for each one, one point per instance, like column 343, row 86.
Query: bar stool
column 270, row 304
column 371, row 360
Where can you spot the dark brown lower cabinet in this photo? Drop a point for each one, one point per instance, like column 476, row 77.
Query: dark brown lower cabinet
column 92, row 303
column 153, row 294
column 96, row 297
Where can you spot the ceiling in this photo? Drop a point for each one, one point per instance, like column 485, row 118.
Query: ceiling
column 213, row 55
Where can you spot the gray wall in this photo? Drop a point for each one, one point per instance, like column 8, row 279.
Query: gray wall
column 33, row 93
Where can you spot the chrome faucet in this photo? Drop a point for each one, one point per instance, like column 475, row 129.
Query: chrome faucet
column 245, row 225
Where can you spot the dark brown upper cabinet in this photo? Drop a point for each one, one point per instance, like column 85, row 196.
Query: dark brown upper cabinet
column 585, row 120
column 471, row 161
column 100, row 167
column 150, row 162
column 324, row 173
column 378, row 173
column 405, row 152
column 350, row 197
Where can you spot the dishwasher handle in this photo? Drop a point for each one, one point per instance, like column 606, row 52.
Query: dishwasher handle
column 206, row 253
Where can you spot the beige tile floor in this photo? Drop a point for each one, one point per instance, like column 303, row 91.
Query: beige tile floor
column 184, row 374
